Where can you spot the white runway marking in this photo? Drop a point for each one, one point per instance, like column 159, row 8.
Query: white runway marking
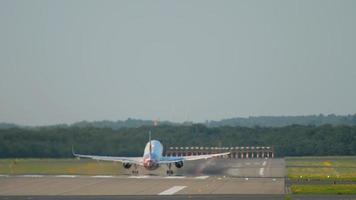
column 201, row 177
column 32, row 176
column 264, row 163
column 173, row 177
column 172, row 190
column 138, row 176
column 66, row 176
column 4, row 175
column 102, row 176
column 262, row 171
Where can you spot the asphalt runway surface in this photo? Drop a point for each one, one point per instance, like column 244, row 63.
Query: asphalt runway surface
column 175, row 197
column 207, row 179
column 182, row 197
column 274, row 168
column 213, row 176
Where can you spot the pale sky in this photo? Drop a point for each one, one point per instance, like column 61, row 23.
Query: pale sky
column 66, row 61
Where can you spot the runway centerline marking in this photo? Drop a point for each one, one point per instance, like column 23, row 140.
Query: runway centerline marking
column 172, row 177
column 102, row 176
column 172, row 190
column 264, row 163
column 138, row 176
column 66, row 176
column 32, row 176
column 262, row 171
column 201, row 177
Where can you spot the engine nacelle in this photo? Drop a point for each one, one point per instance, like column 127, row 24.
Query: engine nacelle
column 179, row 164
column 127, row 165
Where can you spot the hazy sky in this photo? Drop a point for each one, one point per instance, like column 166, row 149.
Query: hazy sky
column 65, row 61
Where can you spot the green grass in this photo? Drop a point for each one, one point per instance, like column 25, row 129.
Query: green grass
column 322, row 168
column 59, row 166
column 341, row 168
column 324, row 189
column 288, row 198
column 326, row 161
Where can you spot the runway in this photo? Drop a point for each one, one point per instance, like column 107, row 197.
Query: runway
column 175, row 197
column 207, row 177
column 273, row 168
column 138, row 186
column 250, row 179
column 180, row 197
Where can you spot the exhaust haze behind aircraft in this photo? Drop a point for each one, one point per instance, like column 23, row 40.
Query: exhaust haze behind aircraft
column 152, row 158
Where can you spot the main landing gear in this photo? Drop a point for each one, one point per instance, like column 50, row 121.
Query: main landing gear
column 135, row 170
column 169, row 171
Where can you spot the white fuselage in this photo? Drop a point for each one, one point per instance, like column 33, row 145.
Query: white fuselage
column 150, row 159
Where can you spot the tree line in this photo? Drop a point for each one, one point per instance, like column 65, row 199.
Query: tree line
column 265, row 121
column 57, row 142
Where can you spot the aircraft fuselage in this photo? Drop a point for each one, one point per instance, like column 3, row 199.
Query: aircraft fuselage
column 150, row 159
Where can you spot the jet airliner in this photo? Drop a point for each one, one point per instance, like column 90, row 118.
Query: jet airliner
column 152, row 158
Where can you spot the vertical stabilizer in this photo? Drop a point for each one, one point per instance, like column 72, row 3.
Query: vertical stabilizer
column 149, row 140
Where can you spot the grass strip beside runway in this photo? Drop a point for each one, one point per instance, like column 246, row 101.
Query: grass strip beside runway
column 324, row 189
column 59, row 166
column 336, row 168
column 325, row 172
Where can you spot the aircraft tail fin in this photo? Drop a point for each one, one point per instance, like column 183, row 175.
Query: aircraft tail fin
column 149, row 138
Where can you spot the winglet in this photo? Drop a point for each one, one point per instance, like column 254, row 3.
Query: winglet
column 73, row 153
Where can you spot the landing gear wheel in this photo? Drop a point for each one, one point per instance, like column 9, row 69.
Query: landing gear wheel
column 135, row 171
column 169, row 171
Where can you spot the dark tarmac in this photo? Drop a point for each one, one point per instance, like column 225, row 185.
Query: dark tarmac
column 182, row 197
column 174, row 197
column 213, row 177
column 207, row 179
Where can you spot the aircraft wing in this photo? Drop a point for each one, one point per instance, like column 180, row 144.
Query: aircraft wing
column 167, row 160
column 133, row 160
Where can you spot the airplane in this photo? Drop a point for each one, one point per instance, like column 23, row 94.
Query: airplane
column 152, row 158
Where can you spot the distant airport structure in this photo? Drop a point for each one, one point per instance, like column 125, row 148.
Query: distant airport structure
column 236, row 152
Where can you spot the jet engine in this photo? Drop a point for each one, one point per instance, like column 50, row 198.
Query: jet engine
column 179, row 164
column 127, row 165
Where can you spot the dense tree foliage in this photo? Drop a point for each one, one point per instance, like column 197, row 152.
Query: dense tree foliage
column 265, row 121
column 292, row 140
column 280, row 121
